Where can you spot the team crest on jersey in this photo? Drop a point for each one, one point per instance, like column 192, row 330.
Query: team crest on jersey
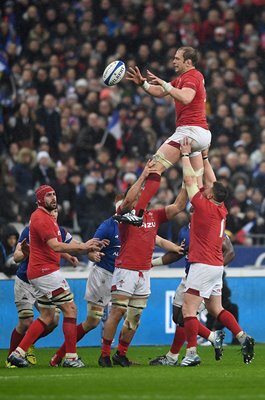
column 121, row 282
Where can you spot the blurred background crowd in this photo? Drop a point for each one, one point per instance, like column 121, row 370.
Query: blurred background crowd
column 60, row 125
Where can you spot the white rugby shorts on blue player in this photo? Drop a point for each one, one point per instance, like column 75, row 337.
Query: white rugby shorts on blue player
column 47, row 284
column 179, row 295
column 201, row 136
column 206, row 279
column 98, row 286
column 133, row 283
column 25, row 294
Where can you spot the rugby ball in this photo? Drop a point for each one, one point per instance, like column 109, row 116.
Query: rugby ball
column 114, row 73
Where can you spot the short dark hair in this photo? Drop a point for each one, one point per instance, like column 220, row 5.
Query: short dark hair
column 189, row 53
column 219, row 192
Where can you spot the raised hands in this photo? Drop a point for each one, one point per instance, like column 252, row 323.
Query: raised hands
column 134, row 74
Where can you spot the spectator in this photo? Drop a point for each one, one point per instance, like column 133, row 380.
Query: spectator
column 7, row 247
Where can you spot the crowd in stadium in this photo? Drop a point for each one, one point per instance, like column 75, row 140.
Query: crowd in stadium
column 60, row 125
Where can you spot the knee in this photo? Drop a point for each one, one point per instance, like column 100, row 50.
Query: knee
column 94, row 315
column 117, row 312
column 134, row 312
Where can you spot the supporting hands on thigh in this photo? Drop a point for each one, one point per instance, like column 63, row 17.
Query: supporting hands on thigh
column 134, row 74
column 150, row 168
column 185, row 146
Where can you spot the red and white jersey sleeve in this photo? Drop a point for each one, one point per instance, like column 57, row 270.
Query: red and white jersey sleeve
column 194, row 113
column 207, row 231
column 137, row 244
column 42, row 259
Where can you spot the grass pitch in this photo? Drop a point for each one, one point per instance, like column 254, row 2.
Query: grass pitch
column 227, row 379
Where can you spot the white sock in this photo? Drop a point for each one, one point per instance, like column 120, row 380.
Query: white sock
column 172, row 356
column 20, row 351
column 191, row 351
column 72, row 356
column 241, row 336
column 211, row 337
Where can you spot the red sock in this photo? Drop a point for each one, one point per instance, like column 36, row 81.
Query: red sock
column 123, row 347
column 106, row 347
column 203, row 331
column 80, row 332
column 15, row 339
column 69, row 330
column 228, row 320
column 191, row 325
column 151, row 186
column 179, row 340
column 33, row 333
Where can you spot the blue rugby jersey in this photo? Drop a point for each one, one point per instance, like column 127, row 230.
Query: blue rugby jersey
column 23, row 266
column 184, row 234
column 109, row 230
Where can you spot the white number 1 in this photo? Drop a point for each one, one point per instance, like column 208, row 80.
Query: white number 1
column 222, row 228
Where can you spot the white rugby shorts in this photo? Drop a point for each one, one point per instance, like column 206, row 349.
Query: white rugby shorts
column 25, row 295
column 179, row 294
column 207, row 279
column 202, row 137
column 47, row 284
column 132, row 283
column 98, row 286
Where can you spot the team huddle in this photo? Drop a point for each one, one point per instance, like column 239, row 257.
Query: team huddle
column 122, row 248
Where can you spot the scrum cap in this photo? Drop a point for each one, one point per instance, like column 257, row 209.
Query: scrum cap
column 40, row 193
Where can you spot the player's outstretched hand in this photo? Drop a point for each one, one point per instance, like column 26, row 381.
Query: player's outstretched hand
column 93, row 245
column 134, row 74
column 153, row 79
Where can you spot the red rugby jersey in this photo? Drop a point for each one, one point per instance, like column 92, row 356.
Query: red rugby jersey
column 207, row 231
column 137, row 244
column 193, row 113
column 42, row 259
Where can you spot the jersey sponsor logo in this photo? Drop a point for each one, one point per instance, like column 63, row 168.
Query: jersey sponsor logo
column 149, row 225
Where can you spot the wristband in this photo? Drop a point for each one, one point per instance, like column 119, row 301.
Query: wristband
column 145, row 85
column 185, row 155
column 167, row 86
column 205, row 158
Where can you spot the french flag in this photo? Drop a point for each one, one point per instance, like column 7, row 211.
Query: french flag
column 114, row 126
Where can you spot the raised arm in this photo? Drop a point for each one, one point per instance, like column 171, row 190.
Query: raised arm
column 209, row 176
column 132, row 194
column 184, row 95
column 134, row 75
column 179, row 204
column 189, row 176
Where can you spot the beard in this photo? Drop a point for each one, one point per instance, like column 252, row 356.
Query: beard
column 51, row 207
